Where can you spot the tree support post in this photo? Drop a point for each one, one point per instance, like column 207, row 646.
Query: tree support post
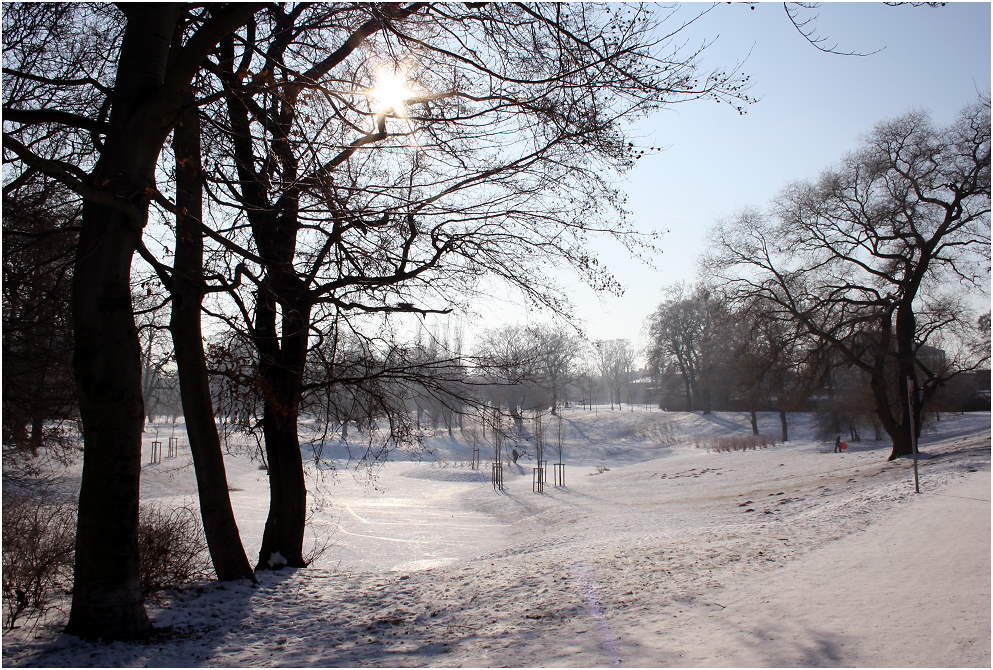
column 538, row 480
column 496, row 475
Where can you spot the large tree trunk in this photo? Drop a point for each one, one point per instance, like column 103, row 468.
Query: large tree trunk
column 906, row 382
column 107, row 600
column 784, row 427
column 882, row 387
column 755, row 421
column 282, row 367
column 220, row 528
column 282, row 539
column 897, row 411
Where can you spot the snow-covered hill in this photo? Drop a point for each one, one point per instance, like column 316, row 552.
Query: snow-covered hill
column 657, row 552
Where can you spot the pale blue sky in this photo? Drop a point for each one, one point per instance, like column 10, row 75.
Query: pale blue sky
column 814, row 108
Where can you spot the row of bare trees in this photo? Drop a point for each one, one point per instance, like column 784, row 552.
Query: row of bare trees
column 270, row 172
column 732, row 356
column 856, row 284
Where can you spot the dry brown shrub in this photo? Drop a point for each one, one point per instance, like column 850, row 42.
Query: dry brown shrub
column 38, row 549
column 39, row 538
column 727, row 443
column 172, row 548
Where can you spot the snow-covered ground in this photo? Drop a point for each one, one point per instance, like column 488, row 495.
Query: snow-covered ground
column 656, row 553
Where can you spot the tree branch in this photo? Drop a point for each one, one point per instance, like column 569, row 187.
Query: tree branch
column 35, row 116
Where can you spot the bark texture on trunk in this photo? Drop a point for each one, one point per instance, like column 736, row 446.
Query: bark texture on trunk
column 282, row 539
column 282, row 363
column 107, row 599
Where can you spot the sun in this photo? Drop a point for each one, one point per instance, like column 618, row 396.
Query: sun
column 390, row 92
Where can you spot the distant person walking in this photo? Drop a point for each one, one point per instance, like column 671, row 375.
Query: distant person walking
column 837, row 445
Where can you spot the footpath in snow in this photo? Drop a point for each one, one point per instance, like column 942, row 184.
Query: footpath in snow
column 657, row 553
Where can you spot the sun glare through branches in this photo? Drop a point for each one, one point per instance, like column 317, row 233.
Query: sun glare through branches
column 390, row 92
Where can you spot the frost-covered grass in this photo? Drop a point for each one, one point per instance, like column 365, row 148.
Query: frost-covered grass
column 655, row 553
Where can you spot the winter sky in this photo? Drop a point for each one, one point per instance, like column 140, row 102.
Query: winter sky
column 813, row 108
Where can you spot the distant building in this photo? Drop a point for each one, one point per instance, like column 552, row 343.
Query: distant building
column 966, row 392
column 931, row 358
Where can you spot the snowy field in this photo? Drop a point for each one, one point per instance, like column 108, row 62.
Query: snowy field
column 658, row 552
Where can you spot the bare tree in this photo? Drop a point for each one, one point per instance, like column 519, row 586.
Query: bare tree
column 188, row 285
column 377, row 383
column 859, row 255
column 770, row 362
column 423, row 153
column 754, row 352
column 586, row 377
column 156, row 349
column 557, row 350
column 615, row 360
column 93, row 91
column 90, row 94
column 512, row 367
column 687, row 332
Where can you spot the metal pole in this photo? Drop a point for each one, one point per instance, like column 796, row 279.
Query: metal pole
column 913, row 433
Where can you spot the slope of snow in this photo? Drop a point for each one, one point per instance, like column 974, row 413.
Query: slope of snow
column 657, row 553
